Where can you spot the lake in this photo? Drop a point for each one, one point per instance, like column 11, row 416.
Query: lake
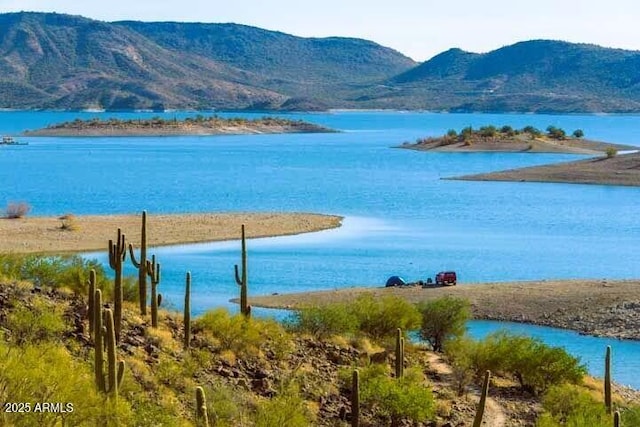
column 400, row 216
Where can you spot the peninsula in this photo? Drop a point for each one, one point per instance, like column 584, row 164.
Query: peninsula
column 507, row 139
column 595, row 307
column 198, row 125
column 71, row 233
column 604, row 170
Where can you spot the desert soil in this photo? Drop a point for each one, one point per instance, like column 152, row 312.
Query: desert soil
column 595, row 307
column 88, row 233
column 619, row 170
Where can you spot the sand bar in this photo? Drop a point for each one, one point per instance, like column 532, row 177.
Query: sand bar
column 46, row 234
column 619, row 170
column 596, row 307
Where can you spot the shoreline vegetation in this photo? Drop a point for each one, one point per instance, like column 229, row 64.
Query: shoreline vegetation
column 508, row 139
column 156, row 126
column 594, row 307
column 70, row 233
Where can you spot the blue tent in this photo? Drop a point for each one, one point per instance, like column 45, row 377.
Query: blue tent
column 395, row 281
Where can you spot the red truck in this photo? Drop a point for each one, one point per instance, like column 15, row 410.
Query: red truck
column 448, row 278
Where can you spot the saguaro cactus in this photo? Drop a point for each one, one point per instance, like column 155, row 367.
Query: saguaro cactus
column 241, row 280
column 477, row 422
column 117, row 255
column 98, row 339
column 141, row 265
column 355, row 399
column 202, row 418
column 607, row 380
column 399, row 354
column 115, row 369
column 616, row 419
column 187, row 312
column 153, row 270
column 90, row 302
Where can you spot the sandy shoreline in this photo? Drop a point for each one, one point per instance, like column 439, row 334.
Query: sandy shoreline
column 92, row 232
column 595, row 307
column 619, row 170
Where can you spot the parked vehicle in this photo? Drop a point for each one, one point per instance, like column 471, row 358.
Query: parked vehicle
column 448, row 278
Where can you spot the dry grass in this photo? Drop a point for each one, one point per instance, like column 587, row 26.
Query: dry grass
column 45, row 234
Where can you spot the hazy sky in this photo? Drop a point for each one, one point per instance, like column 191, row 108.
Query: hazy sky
column 417, row 28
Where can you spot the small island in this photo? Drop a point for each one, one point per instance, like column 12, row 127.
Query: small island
column 507, row 139
column 198, row 125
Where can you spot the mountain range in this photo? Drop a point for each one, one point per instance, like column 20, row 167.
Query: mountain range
column 61, row 62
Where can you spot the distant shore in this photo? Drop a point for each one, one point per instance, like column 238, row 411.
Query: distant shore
column 595, row 307
column 92, row 232
column 200, row 125
column 618, row 170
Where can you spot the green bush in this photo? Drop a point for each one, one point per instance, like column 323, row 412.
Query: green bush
column 488, row 131
column 41, row 321
column 54, row 271
column 578, row 133
column 41, row 373
column 443, row 318
column 611, row 152
column 535, row 365
column 287, row 408
column 380, row 317
column 534, row 132
column 389, row 398
column 244, row 337
column 324, row 322
column 572, row 406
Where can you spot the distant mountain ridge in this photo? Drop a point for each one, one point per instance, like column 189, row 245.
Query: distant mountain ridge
column 56, row 61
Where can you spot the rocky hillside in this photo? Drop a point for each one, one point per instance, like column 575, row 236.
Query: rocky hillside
column 537, row 75
column 68, row 62
column 56, row 61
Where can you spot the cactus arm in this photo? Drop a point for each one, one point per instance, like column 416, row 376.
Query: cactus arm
column 91, row 299
column 120, row 373
column 132, row 256
column 202, row 418
column 238, row 278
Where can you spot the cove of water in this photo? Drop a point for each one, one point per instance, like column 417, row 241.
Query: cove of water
column 400, row 216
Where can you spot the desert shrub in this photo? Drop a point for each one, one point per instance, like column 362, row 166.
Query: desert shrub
column 534, row 132
column 40, row 373
column 611, row 152
column 380, row 317
column 41, row 321
column 556, row 133
column 488, row 131
column 390, row 398
column 460, row 351
column 443, row 318
column 535, row 365
column 242, row 336
column 68, row 222
column 578, row 133
column 451, row 133
column 507, row 130
column 377, row 318
column 324, row 322
column 466, row 133
column 287, row 408
column 17, row 210
column 572, row 406
column 55, row 271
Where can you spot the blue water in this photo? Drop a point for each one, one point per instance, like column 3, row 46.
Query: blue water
column 400, row 217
